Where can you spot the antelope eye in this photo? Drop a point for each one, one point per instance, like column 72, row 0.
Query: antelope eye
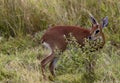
column 97, row 31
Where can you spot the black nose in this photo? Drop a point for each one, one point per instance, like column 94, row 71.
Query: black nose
column 89, row 37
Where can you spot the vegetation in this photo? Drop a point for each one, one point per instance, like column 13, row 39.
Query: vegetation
column 22, row 23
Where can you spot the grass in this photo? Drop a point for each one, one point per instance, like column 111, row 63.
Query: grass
column 21, row 66
column 22, row 23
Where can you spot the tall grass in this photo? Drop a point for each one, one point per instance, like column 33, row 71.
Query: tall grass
column 18, row 17
column 20, row 56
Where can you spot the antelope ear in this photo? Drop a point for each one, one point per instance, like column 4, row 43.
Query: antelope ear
column 93, row 20
column 105, row 22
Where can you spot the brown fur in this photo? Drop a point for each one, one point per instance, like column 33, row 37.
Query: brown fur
column 55, row 36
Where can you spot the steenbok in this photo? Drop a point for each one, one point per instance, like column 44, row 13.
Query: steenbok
column 55, row 37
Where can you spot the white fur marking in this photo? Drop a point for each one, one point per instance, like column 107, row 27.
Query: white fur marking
column 48, row 46
column 98, row 38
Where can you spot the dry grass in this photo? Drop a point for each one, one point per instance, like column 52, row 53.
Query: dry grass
column 20, row 56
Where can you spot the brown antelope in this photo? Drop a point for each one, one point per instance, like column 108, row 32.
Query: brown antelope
column 54, row 37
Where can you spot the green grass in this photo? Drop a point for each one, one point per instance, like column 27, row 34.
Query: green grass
column 23, row 65
column 22, row 23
